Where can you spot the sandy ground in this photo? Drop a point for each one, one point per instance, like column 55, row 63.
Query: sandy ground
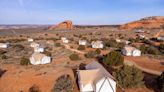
column 146, row 64
column 43, row 76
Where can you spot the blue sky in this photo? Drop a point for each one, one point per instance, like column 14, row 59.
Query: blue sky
column 79, row 11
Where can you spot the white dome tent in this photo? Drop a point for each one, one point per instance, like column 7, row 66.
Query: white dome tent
column 82, row 42
column 38, row 58
column 131, row 51
column 34, row 44
column 97, row 44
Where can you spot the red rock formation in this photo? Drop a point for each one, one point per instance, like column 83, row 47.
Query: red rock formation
column 63, row 25
column 149, row 23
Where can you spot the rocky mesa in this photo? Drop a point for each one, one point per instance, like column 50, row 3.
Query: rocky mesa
column 63, row 25
column 146, row 23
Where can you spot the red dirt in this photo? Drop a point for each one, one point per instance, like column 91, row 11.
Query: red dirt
column 148, row 63
column 149, row 22
column 21, row 78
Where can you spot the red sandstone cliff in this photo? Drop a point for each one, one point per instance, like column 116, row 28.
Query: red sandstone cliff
column 63, row 25
column 148, row 22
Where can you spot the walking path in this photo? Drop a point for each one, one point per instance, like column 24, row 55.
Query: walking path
column 74, row 50
column 131, row 63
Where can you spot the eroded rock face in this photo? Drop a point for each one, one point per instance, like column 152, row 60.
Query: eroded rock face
column 63, row 25
column 148, row 23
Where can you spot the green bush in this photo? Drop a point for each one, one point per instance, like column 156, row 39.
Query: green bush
column 110, row 43
column 160, row 81
column 63, row 84
column 149, row 50
column 15, row 40
column 143, row 49
column 129, row 77
column 58, row 44
column 34, row 88
column 18, row 47
column 153, row 50
column 74, row 57
column 81, row 47
column 90, row 54
column 114, row 58
column 113, row 43
column 47, row 53
column 54, row 39
column 161, row 48
column 24, row 61
column 98, row 51
column 134, row 39
column 4, row 57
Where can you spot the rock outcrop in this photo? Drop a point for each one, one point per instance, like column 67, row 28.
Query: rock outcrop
column 147, row 23
column 63, row 25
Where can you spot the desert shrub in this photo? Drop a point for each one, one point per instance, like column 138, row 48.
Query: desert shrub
column 143, row 48
column 162, row 26
column 2, row 41
column 71, row 39
column 119, row 35
column 80, row 36
column 54, row 39
column 161, row 48
column 120, row 45
column 24, row 61
column 110, row 43
column 98, row 51
column 63, row 84
column 74, row 57
column 4, row 57
column 152, row 50
column 149, row 50
column 90, row 54
column 81, row 47
column 58, row 44
column 47, row 53
column 84, row 38
column 114, row 58
column 20, row 35
column 2, row 52
column 160, row 81
column 2, row 72
column 129, row 77
column 46, row 34
column 18, row 47
column 113, row 43
column 134, row 39
column 15, row 40
column 34, row 88
column 75, row 35
column 90, row 34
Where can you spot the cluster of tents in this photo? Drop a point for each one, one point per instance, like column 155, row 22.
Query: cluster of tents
column 38, row 57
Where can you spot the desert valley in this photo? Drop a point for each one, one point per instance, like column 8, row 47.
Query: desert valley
column 83, row 58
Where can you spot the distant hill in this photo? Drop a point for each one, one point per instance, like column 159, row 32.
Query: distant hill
column 63, row 25
column 22, row 26
column 153, row 22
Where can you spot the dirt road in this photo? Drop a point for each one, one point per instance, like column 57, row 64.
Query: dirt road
column 150, row 71
column 73, row 50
